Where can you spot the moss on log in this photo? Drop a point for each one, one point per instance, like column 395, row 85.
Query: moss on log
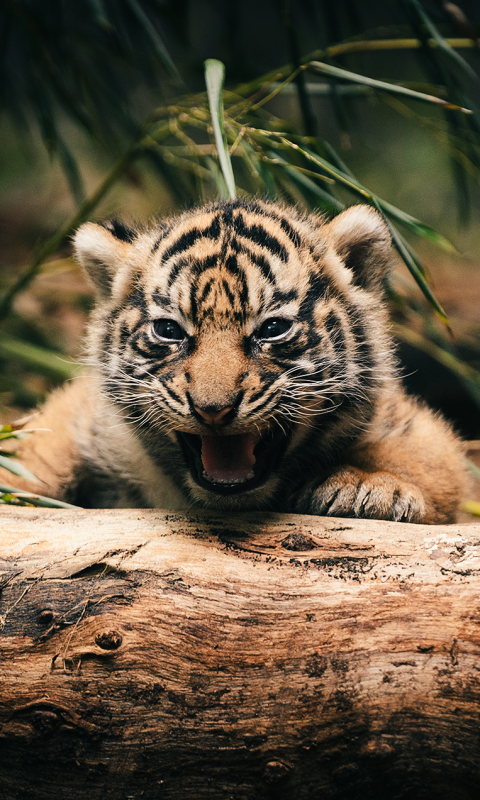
column 157, row 656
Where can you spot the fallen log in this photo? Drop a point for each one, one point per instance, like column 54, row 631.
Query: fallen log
column 164, row 656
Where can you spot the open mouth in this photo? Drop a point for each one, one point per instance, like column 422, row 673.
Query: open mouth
column 232, row 464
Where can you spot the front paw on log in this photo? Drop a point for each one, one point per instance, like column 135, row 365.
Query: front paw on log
column 350, row 492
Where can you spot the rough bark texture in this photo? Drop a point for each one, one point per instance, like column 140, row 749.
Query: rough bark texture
column 146, row 654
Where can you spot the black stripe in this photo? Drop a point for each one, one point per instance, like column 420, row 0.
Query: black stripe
column 137, row 299
column 364, row 349
column 185, row 241
column 193, row 302
column 119, row 230
column 260, row 406
column 172, row 394
column 161, row 299
column 174, row 272
column 334, row 327
column 259, row 236
column 258, row 260
column 206, row 291
column 231, row 265
column 268, row 379
column 164, row 230
column 201, row 265
column 291, row 233
column 189, row 238
column 229, row 293
column 318, row 287
column 280, row 298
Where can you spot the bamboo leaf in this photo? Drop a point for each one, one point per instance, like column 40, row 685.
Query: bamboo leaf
column 416, row 225
column 473, row 468
column 442, row 43
column 214, row 77
column 417, row 270
column 16, row 468
column 354, row 77
column 328, row 201
column 471, row 507
column 39, row 357
column 156, row 41
column 36, row 499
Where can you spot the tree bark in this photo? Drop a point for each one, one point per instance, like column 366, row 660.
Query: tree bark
column 163, row 656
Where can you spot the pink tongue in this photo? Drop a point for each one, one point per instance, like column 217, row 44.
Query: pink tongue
column 229, row 458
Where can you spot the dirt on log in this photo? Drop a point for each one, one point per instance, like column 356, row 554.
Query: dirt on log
column 148, row 655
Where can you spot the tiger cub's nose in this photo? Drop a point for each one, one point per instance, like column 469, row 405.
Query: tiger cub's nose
column 215, row 416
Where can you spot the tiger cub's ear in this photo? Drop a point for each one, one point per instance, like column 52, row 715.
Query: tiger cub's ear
column 104, row 252
column 361, row 238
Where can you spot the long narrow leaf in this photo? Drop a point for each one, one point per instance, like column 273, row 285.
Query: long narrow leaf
column 16, row 468
column 354, row 77
column 156, row 41
column 39, row 357
column 416, row 225
column 444, row 46
column 328, row 201
column 417, row 270
column 36, row 499
column 214, row 77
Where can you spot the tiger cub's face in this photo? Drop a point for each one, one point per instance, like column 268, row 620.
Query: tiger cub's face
column 238, row 338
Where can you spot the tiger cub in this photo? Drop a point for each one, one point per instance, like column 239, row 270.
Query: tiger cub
column 240, row 360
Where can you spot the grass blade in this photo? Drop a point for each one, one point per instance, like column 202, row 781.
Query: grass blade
column 214, row 77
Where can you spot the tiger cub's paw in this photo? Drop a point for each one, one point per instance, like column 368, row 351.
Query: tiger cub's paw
column 350, row 492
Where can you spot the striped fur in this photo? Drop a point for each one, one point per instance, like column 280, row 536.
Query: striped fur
column 241, row 360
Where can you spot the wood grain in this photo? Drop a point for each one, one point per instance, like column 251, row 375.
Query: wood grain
column 154, row 655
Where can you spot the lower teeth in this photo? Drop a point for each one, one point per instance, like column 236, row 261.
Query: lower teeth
column 229, row 481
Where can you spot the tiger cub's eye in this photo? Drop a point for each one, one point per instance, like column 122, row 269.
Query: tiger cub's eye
column 169, row 329
column 274, row 328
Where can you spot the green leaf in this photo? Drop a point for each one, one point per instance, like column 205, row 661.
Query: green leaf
column 39, row 357
column 156, row 41
column 420, row 228
column 445, row 48
column 16, row 468
column 471, row 507
column 36, row 499
column 417, row 270
column 473, row 469
column 214, row 77
column 328, row 202
column 354, row 77
column 416, row 225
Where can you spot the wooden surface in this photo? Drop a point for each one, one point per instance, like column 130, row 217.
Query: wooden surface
column 159, row 656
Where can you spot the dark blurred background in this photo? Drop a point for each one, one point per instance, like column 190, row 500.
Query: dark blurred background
column 80, row 77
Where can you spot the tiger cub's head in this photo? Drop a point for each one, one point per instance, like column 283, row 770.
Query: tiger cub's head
column 244, row 342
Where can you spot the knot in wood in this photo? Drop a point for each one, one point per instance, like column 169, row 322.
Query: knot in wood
column 108, row 640
column 298, row 541
column 44, row 720
column 276, row 771
column 46, row 616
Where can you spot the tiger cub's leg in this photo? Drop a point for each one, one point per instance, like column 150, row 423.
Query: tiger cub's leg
column 408, row 467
